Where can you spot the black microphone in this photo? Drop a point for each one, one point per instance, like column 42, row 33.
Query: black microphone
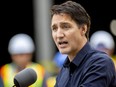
column 25, row 78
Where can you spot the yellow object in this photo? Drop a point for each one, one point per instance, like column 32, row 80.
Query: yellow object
column 51, row 81
column 8, row 72
column 114, row 60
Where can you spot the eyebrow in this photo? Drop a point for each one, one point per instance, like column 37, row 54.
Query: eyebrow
column 62, row 23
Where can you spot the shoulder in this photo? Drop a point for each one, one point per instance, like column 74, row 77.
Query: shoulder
column 101, row 60
column 100, row 56
column 6, row 66
column 37, row 65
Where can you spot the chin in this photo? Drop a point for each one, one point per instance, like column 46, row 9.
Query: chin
column 63, row 52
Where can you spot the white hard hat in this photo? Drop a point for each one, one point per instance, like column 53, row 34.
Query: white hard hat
column 21, row 43
column 103, row 39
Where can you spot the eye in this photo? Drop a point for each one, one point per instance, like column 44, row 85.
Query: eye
column 65, row 26
column 54, row 28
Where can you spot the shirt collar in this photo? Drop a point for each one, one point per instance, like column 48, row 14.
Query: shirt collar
column 79, row 57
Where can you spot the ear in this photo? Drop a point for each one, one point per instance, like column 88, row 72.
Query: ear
column 83, row 30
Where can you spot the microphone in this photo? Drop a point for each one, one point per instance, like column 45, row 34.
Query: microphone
column 25, row 78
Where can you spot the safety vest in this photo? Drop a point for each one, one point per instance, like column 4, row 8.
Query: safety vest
column 114, row 60
column 8, row 72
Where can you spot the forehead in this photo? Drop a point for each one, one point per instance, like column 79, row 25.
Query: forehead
column 59, row 18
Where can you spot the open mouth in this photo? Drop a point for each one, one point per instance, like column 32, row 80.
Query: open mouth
column 62, row 43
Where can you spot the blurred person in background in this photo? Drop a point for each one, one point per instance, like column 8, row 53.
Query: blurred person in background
column 58, row 61
column 21, row 48
column 104, row 41
column 84, row 66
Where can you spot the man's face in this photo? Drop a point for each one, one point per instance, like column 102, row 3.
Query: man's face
column 66, row 34
column 22, row 59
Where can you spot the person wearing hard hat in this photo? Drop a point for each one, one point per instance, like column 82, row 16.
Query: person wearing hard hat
column 103, row 41
column 21, row 48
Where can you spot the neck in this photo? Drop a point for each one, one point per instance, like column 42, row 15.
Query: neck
column 72, row 55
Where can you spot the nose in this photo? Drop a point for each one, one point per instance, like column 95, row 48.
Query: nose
column 60, row 33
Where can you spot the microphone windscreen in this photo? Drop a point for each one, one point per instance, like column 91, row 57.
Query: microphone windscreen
column 25, row 78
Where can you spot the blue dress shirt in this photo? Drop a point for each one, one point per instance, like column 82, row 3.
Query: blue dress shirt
column 90, row 68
